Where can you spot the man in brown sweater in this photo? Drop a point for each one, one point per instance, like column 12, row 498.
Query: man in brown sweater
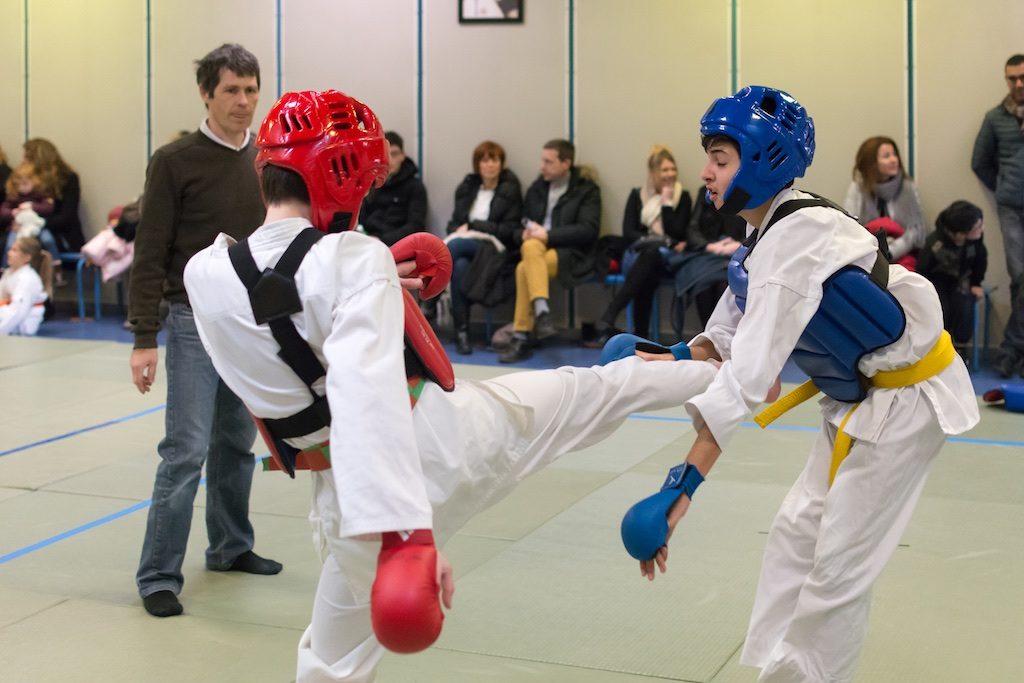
column 196, row 187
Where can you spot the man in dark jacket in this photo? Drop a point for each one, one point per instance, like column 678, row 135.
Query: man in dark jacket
column 998, row 161
column 561, row 221
column 399, row 207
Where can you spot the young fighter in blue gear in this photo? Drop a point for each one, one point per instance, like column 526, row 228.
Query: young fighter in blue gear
column 810, row 284
column 290, row 302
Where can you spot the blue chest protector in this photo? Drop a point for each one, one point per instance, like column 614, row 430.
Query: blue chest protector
column 857, row 316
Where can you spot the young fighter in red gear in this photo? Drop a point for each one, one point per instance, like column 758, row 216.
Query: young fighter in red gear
column 407, row 462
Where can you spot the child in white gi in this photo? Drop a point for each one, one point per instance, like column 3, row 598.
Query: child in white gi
column 884, row 421
column 391, row 467
column 23, row 293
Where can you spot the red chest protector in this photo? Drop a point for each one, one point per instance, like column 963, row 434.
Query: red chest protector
column 275, row 298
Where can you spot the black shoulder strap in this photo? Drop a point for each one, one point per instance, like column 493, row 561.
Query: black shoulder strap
column 787, row 208
column 880, row 269
column 274, row 298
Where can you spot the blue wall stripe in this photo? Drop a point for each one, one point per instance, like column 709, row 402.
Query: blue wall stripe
column 419, row 88
column 280, row 79
column 83, row 430
column 911, row 133
column 149, row 82
column 25, row 64
column 572, row 71
column 733, row 47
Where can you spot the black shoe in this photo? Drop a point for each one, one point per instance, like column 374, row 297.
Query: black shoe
column 602, row 333
column 1007, row 364
column 162, row 604
column 518, row 350
column 462, row 344
column 542, row 326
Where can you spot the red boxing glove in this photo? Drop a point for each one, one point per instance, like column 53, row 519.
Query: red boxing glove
column 433, row 260
column 404, row 605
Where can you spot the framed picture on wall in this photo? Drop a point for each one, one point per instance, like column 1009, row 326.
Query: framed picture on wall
column 490, row 11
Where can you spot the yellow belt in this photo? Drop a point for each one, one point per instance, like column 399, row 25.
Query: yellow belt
column 933, row 362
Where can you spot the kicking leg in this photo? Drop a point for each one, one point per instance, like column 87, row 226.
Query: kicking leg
column 577, row 407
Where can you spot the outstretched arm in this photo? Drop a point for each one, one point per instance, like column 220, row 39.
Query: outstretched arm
column 703, row 455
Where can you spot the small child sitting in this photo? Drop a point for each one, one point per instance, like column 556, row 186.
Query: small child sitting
column 113, row 249
column 23, row 293
column 23, row 194
column 954, row 260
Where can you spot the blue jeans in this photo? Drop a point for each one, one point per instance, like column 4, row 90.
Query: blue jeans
column 1011, row 224
column 463, row 250
column 205, row 422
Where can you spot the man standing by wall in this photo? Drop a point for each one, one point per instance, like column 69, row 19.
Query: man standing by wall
column 196, row 187
column 998, row 161
column 561, row 219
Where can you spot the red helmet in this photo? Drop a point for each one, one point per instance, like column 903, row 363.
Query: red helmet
column 334, row 142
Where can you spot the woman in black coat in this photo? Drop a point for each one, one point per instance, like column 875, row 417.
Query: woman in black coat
column 654, row 226
column 488, row 208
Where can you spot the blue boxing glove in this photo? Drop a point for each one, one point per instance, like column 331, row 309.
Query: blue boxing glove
column 645, row 526
column 625, row 345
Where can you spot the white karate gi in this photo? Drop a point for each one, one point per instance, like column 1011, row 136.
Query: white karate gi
column 827, row 546
column 394, row 468
column 22, row 290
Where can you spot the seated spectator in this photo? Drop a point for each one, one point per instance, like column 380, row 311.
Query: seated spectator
column 399, row 207
column 701, row 270
column 113, row 249
column 60, row 182
column 954, row 259
column 882, row 189
column 5, row 169
column 561, row 220
column 654, row 226
column 488, row 209
column 24, row 287
column 26, row 199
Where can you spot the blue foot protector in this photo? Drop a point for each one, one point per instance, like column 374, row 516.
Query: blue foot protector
column 625, row 345
column 645, row 526
column 1012, row 394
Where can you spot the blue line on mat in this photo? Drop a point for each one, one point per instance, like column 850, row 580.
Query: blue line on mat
column 82, row 430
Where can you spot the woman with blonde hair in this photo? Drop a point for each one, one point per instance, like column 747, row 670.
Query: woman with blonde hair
column 655, row 227
column 881, row 189
column 59, row 181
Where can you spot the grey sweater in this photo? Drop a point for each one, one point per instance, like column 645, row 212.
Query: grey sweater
column 998, row 158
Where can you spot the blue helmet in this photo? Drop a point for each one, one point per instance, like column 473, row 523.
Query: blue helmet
column 776, row 140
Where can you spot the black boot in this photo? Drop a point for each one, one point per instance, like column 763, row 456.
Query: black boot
column 602, row 333
column 462, row 344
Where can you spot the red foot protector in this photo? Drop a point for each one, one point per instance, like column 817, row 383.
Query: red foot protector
column 405, row 606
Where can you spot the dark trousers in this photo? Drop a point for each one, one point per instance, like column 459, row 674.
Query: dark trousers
column 958, row 315
column 463, row 251
column 640, row 286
